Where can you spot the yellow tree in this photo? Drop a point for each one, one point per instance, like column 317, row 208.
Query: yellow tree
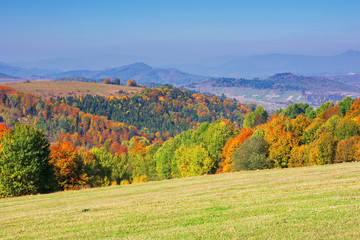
column 68, row 166
column 281, row 140
column 323, row 149
column 193, row 161
column 299, row 124
column 107, row 81
column 348, row 150
column 299, row 156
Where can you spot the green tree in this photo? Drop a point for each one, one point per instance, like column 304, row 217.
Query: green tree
column 252, row 154
column 105, row 167
column 24, row 162
column 116, row 81
column 345, row 104
column 259, row 116
column 323, row 108
column 193, row 160
column 295, row 109
column 166, row 165
column 323, row 149
column 346, row 129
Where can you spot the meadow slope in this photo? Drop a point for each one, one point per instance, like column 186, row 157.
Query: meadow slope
column 321, row 202
column 47, row 89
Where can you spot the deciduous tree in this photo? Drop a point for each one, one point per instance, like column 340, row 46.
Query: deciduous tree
column 24, row 162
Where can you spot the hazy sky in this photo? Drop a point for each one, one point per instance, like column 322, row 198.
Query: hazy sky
column 173, row 30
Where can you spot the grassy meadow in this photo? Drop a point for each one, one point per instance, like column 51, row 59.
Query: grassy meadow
column 321, row 202
column 47, row 89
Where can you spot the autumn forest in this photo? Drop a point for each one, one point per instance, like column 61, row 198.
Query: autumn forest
column 67, row 143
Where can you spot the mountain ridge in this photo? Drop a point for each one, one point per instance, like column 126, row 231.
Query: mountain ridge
column 269, row 64
column 139, row 71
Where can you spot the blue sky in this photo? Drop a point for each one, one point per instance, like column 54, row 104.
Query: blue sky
column 181, row 31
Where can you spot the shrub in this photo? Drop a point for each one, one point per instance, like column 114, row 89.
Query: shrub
column 124, row 182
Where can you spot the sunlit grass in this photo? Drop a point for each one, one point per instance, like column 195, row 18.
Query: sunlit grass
column 321, row 202
column 47, row 89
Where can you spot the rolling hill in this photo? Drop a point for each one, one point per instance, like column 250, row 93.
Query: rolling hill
column 47, row 89
column 5, row 76
column 350, row 78
column 319, row 202
column 278, row 90
column 141, row 72
column 23, row 72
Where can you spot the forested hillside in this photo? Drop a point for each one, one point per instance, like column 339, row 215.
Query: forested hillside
column 165, row 109
column 160, row 134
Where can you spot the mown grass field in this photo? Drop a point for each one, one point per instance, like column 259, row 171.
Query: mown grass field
column 47, row 89
column 321, row 202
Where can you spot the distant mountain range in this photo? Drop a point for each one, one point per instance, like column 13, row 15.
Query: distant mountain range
column 23, row 72
column 141, row 72
column 260, row 66
column 5, row 76
column 267, row 65
column 224, row 66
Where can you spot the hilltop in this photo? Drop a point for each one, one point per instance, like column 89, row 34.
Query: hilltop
column 297, row 203
column 47, row 89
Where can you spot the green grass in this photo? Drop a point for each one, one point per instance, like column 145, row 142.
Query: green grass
column 321, row 202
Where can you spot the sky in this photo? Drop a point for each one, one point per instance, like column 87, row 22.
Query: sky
column 176, row 31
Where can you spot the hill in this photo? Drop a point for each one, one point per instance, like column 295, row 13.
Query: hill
column 24, row 72
column 350, row 78
column 76, row 79
column 269, row 64
column 301, row 203
column 279, row 90
column 140, row 71
column 5, row 76
column 47, row 89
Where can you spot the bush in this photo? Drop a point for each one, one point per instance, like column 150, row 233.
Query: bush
column 124, row 182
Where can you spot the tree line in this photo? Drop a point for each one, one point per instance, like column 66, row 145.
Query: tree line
column 96, row 151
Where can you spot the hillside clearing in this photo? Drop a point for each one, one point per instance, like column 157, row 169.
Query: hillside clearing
column 300, row 203
column 47, row 89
